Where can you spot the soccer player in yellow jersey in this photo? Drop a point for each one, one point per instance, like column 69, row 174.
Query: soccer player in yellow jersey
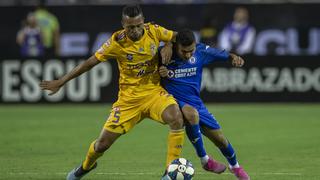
column 140, row 94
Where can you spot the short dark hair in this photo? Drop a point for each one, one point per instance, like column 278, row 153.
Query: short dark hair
column 132, row 10
column 185, row 37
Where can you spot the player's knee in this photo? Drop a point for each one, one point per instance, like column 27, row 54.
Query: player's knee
column 173, row 117
column 176, row 121
column 190, row 115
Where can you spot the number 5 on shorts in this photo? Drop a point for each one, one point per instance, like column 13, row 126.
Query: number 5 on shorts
column 116, row 116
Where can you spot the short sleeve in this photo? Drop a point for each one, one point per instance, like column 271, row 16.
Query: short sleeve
column 212, row 54
column 162, row 33
column 106, row 52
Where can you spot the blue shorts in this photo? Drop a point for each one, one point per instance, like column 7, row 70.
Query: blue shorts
column 205, row 117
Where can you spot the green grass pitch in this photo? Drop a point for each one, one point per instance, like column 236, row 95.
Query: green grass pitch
column 272, row 141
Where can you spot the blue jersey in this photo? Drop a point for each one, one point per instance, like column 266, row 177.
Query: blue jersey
column 32, row 45
column 184, row 81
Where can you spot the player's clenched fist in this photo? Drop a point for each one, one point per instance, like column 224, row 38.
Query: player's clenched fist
column 163, row 71
column 236, row 61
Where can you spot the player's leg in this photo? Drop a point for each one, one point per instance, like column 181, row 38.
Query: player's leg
column 98, row 147
column 217, row 137
column 193, row 132
column 173, row 117
column 163, row 108
column 191, row 117
column 120, row 121
column 211, row 129
column 96, row 150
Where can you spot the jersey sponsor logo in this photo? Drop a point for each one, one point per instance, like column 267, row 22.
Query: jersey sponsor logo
column 186, row 72
column 129, row 57
column 192, row 60
column 141, row 65
column 141, row 72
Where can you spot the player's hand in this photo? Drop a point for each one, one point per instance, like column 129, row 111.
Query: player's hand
column 237, row 61
column 163, row 71
column 52, row 86
column 166, row 53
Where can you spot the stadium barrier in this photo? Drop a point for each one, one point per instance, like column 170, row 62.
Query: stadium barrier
column 262, row 79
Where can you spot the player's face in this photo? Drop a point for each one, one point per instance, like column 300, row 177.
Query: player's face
column 133, row 26
column 185, row 52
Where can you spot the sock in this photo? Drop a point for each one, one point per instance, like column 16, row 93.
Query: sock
column 194, row 135
column 175, row 143
column 204, row 159
column 230, row 155
column 234, row 166
column 91, row 157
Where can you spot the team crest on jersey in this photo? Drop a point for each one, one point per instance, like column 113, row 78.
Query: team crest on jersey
column 129, row 57
column 170, row 73
column 192, row 60
column 141, row 49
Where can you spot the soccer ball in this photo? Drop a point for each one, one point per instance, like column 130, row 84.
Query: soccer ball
column 180, row 169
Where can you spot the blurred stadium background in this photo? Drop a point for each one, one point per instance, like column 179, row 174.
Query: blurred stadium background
column 269, row 109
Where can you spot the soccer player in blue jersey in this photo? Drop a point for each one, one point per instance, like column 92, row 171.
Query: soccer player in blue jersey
column 181, row 77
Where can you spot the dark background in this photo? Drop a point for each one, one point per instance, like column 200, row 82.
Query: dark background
column 96, row 19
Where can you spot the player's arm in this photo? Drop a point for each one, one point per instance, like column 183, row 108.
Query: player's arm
column 55, row 85
column 213, row 54
column 236, row 60
column 167, row 36
column 163, row 71
column 166, row 51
